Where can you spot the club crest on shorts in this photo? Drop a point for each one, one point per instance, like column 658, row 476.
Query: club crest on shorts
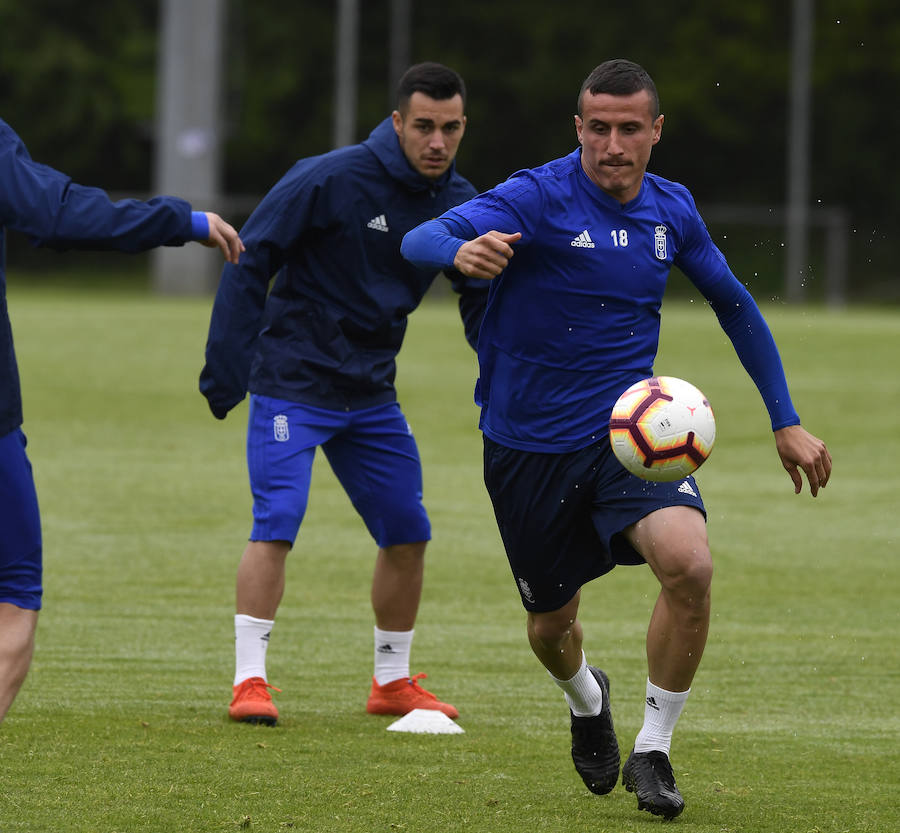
column 659, row 239
column 280, row 426
column 526, row 591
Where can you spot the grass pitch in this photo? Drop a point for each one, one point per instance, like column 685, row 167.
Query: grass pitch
column 121, row 726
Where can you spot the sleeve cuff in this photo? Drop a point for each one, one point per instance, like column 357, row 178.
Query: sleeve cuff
column 199, row 226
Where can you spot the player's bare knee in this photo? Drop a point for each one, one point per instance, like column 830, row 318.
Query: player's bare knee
column 270, row 551
column 551, row 630
column 549, row 638
column 688, row 580
column 404, row 556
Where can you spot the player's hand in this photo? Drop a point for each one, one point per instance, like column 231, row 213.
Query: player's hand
column 224, row 236
column 799, row 449
column 486, row 256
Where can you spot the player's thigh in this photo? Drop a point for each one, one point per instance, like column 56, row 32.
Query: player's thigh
column 377, row 461
column 673, row 541
column 281, row 442
column 20, row 526
column 543, row 510
column 625, row 506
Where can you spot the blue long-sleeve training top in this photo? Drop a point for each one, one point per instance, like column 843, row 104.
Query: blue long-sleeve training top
column 574, row 318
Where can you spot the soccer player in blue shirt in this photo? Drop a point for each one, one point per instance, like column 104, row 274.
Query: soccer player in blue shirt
column 317, row 355
column 58, row 213
column 579, row 251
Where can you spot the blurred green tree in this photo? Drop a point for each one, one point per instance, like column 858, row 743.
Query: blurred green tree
column 78, row 82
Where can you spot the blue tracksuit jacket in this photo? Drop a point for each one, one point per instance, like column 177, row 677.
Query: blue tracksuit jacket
column 328, row 332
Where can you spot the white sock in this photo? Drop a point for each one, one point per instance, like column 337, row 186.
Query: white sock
column 251, row 639
column 661, row 712
column 583, row 692
column 392, row 655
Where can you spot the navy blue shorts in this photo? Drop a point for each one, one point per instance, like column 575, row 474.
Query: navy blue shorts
column 372, row 452
column 561, row 516
column 20, row 526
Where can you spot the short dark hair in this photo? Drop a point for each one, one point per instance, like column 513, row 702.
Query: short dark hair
column 620, row 77
column 435, row 80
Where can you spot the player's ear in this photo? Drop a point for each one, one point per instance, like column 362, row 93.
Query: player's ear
column 397, row 119
column 579, row 127
column 657, row 128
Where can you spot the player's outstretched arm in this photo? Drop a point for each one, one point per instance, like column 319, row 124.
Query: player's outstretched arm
column 485, row 256
column 799, row 449
column 224, row 236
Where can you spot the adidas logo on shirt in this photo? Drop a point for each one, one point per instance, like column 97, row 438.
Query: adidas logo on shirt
column 685, row 489
column 378, row 223
column 583, row 241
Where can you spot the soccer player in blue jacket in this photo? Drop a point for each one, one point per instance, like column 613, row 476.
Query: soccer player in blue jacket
column 580, row 250
column 56, row 212
column 317, row 354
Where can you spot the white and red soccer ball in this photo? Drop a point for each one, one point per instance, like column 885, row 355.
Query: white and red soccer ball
column 662, row 428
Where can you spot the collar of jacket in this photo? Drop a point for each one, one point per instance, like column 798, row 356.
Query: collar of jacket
column 383, row 142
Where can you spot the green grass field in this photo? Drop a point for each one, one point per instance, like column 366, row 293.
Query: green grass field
column 121, row 726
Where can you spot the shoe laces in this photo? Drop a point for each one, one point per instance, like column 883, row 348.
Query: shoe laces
column 255, row 688
column 414, row 682
column 662, row 768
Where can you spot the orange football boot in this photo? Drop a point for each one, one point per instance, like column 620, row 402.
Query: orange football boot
column 252, row 702
column 402, row 696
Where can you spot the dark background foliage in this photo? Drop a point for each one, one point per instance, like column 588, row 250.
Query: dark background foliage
column 77, row 81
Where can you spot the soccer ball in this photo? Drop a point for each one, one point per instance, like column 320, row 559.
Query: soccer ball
column 662, row 428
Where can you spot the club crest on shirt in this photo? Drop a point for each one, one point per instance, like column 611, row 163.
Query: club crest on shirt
column 659, row 240
column 280, row 426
